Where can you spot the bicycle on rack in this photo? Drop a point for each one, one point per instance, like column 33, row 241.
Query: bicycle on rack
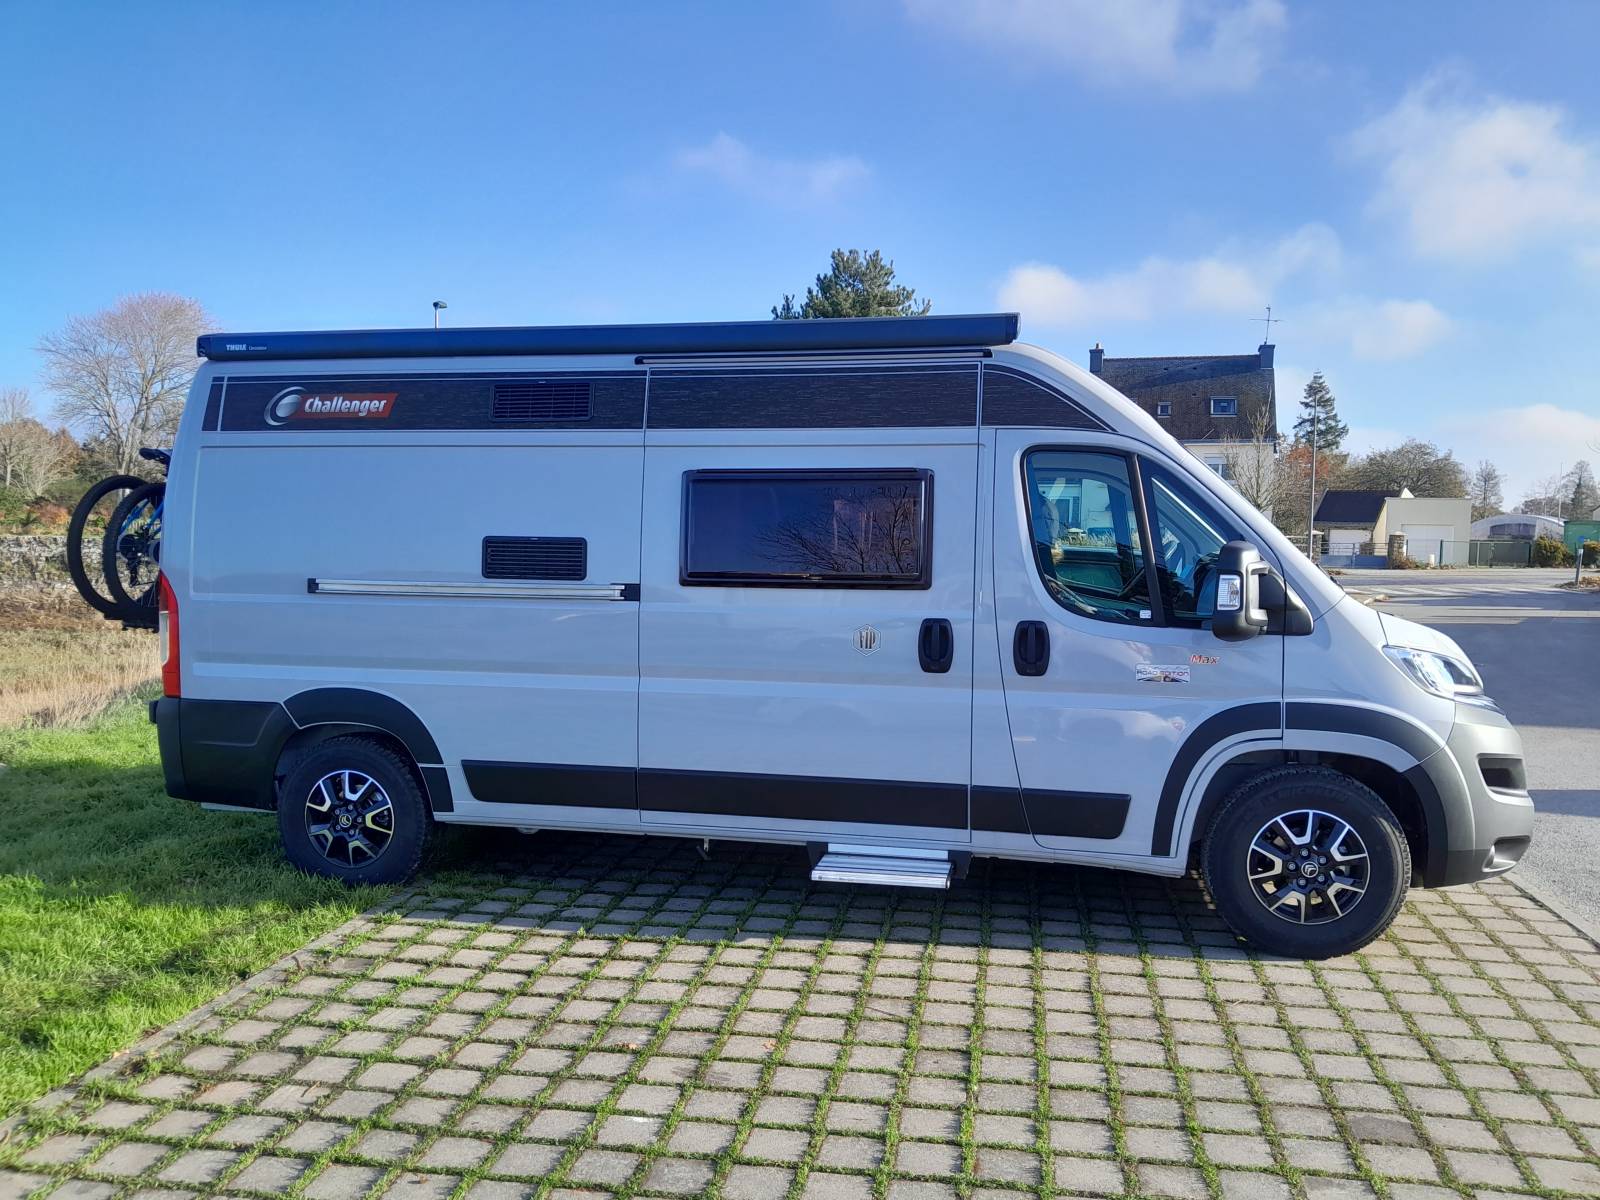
column 114, row 545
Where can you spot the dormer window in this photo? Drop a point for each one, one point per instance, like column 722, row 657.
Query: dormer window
column 1224, row 406
column 1163, row 408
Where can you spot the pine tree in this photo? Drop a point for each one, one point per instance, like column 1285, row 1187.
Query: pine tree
column 1318, row 409
column 1585, row 496
column 855, row 285
column 1487, row 486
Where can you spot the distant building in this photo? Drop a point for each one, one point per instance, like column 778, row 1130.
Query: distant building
column 1215, row 404
column 1357, row 524
column 1523, row 527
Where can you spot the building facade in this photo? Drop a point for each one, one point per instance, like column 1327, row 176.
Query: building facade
column 1437, row 529
column 1220, row 406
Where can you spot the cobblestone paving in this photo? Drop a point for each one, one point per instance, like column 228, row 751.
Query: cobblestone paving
column 618, row 1017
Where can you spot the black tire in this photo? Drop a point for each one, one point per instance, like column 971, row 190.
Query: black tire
column 307, row 786
column 1285, row 909
column 94, row 592
column 134, row 557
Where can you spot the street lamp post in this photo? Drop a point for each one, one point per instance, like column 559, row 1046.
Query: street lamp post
column 1311, row 509
column 437, row 305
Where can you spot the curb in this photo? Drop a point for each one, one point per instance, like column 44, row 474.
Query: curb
column 1558, row 908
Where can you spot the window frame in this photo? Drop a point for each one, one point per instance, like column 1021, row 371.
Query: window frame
column 921, row 582
column 1163, row 408
column 1233, row 411
column 1152, row 581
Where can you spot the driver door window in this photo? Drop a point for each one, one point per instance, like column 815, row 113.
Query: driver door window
column 1187, row 533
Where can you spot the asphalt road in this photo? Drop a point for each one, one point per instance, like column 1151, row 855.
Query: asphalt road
column 1538, row 649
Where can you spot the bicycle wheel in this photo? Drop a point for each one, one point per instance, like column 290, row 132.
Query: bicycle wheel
column 87, row 530
column 131, row 550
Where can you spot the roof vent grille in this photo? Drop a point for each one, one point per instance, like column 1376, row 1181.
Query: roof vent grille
column 541, row 400
column 536, row 558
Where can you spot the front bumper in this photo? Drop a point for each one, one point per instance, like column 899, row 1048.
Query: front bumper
column 1488, row 812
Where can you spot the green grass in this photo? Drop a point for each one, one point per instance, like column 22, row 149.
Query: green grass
column 120, row 908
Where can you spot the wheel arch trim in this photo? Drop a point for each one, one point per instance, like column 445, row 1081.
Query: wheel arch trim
column 1409, row 749
column 1263, row 720
column 376, row 710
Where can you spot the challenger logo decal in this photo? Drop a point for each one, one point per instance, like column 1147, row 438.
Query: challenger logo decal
column 296, row 404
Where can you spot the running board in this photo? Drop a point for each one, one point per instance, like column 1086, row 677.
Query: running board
column 885, row 870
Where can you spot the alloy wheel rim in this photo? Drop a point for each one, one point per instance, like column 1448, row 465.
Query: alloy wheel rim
column 1308, row 867
column 349, row 818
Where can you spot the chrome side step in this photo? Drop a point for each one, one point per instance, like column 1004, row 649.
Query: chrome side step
column 891, row 869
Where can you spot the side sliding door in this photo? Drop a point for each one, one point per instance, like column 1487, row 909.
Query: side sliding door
column 806, row 633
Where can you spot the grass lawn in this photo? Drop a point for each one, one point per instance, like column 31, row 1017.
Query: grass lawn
column 120, row 908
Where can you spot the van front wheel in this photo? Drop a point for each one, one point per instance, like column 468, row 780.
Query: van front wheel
column 351, row 809
column 1306, row 862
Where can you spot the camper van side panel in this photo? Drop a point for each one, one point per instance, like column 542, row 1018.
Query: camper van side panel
column 315, row 544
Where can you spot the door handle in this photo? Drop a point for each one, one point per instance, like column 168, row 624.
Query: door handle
column 936, row 646
column 1030, row 648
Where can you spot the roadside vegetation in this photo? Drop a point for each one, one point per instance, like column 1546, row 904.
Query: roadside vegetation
column 120, row 908
column 60, row 664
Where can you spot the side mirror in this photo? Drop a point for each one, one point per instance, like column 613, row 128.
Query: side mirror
column 1239, row 615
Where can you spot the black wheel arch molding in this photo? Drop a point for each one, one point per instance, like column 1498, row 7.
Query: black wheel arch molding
column 1320, row 731
column 228, row 752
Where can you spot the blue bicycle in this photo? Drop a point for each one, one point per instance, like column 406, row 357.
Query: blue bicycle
column 131, row 551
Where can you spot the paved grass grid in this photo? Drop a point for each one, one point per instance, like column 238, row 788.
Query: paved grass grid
column 617, row 1017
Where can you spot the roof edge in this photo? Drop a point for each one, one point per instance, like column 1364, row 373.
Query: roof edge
column 972, row 330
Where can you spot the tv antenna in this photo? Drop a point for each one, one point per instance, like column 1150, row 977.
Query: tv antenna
column 1269, row 320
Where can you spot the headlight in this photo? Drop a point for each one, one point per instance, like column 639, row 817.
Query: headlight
column 1452, row 678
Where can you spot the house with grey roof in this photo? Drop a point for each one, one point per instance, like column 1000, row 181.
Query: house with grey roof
column 1353, row 524
column 1215, row 404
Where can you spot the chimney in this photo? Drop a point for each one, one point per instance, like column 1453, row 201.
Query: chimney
column 1097, row 359
column 1266, row 349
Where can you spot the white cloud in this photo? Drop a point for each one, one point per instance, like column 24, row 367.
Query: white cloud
column 1528, row 443
column 786, row 181
column 1291, row 382
column 1184, row 45
column 1233, row 280
column 1381, row 330
column 1479, row 178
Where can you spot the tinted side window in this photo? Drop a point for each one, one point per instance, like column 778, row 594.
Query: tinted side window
column 1187, row 532
column 808, row 528
column 1086, row 533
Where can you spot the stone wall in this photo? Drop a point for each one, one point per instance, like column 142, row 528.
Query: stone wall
column 33, row 558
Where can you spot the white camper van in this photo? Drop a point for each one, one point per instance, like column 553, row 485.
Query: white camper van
column 900, row 591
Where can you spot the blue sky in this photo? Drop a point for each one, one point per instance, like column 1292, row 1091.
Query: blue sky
column 1415, row 188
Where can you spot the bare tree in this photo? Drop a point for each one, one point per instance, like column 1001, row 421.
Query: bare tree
column 1253, row 466
column 48, row 457
column 16, row 410
column 120, row 375
column 31, row 456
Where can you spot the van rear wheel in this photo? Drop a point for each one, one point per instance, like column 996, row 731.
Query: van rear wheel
column 1306, row 862
column 351, row 809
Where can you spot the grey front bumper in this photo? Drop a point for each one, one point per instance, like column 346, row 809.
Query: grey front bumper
column 1488, row 812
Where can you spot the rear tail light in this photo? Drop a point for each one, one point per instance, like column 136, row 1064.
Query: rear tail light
column 167, row 632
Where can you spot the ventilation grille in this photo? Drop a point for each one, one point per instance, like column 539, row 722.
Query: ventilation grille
column 535, row 558
column 541, row 400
